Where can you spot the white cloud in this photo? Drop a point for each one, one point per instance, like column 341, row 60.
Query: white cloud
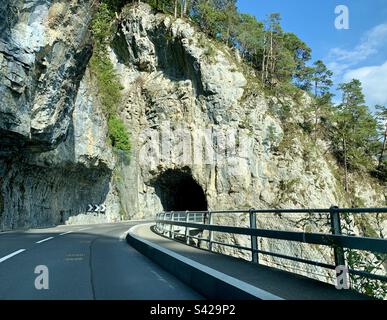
column 374, row 80
column 340, row 60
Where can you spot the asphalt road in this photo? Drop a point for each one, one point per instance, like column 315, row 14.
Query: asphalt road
column 83, row 262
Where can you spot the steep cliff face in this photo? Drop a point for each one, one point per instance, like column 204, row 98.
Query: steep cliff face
column 204, row 134
column 189, row 111
column 54, row 159
column 202, row 131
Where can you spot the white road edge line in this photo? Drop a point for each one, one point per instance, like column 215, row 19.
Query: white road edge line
column 62, row 234
column 40, row 241
column 255, row 291
column 11, row 255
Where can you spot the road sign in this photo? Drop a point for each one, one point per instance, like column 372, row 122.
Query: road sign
column 96, row 208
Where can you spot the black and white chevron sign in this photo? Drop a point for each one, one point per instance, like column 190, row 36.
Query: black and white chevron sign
column 96, row 208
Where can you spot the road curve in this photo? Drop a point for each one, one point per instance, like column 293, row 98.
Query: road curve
column 84, row 262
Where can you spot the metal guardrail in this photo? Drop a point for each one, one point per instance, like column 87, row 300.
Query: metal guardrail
column 166, row 222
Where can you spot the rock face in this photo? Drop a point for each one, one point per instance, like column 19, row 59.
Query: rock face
column 187, row 111
column 187, row 104
column 54, row 159
column 202, row 135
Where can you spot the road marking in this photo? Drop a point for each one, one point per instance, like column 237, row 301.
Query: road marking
column 11, row 255
column 83, row 229
column 239, row 284
column 74, row 257
column 62, row 234
column 44, row 240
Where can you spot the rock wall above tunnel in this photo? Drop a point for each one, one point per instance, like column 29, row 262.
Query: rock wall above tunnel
column 188, row 105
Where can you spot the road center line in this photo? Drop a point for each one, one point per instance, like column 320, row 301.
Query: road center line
column 11, row 255
column 44, row 240
column 62, row 234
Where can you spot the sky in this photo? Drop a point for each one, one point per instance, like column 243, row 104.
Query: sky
column 359, row 52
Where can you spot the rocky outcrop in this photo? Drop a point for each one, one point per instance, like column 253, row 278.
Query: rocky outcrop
column 198, row 122
column 54, row 158
column 203, row 133
column 184, row 94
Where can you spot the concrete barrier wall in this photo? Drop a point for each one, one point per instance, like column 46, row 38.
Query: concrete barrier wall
column 211, row 283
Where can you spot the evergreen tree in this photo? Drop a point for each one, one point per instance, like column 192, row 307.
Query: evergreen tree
column 249, row 38
column 354, row 131
column 301, row 55
column 319, row 81
column 381, row 115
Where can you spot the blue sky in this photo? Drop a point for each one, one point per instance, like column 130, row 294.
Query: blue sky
column 359, row 52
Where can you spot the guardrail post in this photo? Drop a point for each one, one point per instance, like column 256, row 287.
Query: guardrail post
column 164, row 225
column 254, row 239
column 336, row 230
column 186, row 228
column 171, row 226
column 210, row 233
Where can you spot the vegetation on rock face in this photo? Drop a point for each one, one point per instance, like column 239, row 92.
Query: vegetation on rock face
column 118, row 135
column 355, row 130
column 108, row 83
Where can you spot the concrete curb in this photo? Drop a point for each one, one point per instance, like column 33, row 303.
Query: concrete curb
column 209, row 282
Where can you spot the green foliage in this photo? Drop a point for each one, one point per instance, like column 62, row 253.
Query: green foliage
column 380, row 172
column 108, row 84
column 118, row 134
column 109, row 87
column 355, row 128
column 370, row 287
column 102, row 28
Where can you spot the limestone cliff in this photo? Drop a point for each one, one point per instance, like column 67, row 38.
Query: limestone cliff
column 180, row 91
column 203, row 132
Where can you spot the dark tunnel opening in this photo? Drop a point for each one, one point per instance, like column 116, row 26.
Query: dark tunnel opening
column 178, row 191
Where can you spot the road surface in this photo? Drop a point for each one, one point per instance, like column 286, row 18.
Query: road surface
column 83, row 262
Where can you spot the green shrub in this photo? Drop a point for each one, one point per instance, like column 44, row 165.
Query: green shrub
column 118, row 134
column 109, row 87
column 102, row 27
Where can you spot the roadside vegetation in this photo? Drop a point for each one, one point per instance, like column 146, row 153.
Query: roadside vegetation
column 109, row 87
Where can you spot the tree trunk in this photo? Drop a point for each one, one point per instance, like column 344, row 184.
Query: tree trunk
column 383, row 147
column 175, row 9
column 345, row 166
column 184, row 8
column 263, row 60
column 270, row 60
column 316, row 122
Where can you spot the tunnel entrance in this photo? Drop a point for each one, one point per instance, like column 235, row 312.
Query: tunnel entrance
column 178, row 191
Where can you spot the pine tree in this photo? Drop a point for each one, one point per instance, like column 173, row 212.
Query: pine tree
column 382, row 119
column 320, row 78
column 354, row 131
